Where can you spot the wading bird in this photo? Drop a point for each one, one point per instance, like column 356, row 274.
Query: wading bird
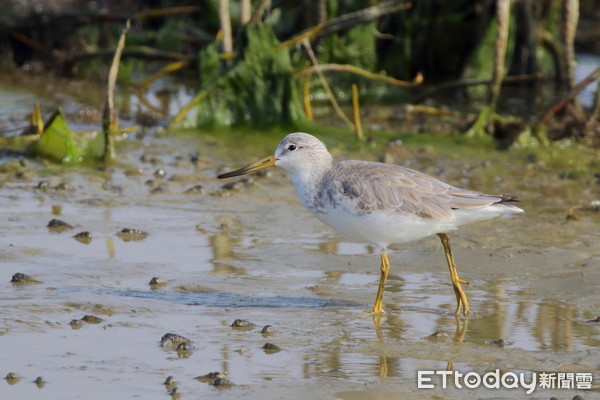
column 379, row 203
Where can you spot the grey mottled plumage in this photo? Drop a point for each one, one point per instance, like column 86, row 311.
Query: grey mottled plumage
column 379, row 187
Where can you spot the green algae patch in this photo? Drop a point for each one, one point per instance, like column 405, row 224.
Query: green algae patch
column 258, row 90
column 59, row 144
column 569, row 158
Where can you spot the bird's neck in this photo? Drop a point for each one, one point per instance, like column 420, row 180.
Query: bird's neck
column 307, row 183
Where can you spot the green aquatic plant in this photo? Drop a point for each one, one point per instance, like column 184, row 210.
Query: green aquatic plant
column 258, row 90
column 58, row 143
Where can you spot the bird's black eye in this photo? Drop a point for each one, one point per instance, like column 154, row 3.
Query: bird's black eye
column 292, row 147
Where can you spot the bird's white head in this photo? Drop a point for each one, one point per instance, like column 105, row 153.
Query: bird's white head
column 301, row 154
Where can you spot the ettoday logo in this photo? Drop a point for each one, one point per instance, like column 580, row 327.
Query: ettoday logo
column 506, row 380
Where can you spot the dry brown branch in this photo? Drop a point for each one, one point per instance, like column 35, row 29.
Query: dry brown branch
column 556, row 107
column 259, row 11
column 141, row 52
column 37, row 123
column 356, row 109
column 30, row 42
column 199, row 98
column 298, row 38
column 360, row 17
column 306, row 96
column 571, row 10
column 474, row 82
column 163, row 12
column 362, row 72
column 176, row 66
column 592, row 130
column 109, row 119
column 245, row 11
column 501, row 44
column 225, row 21
column 326, row 87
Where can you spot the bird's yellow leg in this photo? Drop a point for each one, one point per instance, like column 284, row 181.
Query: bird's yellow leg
column 461, row 297
column 378, row 306
column 385, row 268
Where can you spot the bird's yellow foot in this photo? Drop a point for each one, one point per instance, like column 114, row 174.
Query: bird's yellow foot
column 461, row 299
column 374, row 313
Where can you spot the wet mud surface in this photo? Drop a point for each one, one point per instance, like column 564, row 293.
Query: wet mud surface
column 145, row 257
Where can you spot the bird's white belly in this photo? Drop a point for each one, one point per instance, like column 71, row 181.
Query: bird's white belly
column 381, row 227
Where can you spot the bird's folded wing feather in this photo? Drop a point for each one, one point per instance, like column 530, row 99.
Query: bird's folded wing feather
column 378, row 187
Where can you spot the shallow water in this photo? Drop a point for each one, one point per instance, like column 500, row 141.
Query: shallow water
column 254, row 253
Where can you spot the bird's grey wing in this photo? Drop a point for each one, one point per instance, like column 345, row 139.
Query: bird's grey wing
column 462, row 198
column 378, row 187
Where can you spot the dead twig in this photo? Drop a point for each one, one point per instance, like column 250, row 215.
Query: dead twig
column 356, row 109
column 475, row 82
column 326, row 87
column 556, row 107
column 306, row 96
column 109, row 119
column 141, row 52
column 594, row 117
column 245, row 11
column 361, row 72
column 259, row 11
column 199, row 98
column 571, row 17
column 298, row 38
column 31, row 43
column 176, row 66
column 363, row 16
column 163, row 12
column 225, row 22
column 501, row 44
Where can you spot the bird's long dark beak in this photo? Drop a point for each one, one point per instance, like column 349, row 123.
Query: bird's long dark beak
column 262, row 164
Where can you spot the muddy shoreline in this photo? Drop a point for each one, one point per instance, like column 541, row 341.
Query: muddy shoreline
column 250, row 251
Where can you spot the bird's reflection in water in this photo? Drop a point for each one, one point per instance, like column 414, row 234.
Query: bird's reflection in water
column 223, row 245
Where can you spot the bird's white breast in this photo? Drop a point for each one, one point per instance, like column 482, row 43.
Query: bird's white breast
column 379, row 227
